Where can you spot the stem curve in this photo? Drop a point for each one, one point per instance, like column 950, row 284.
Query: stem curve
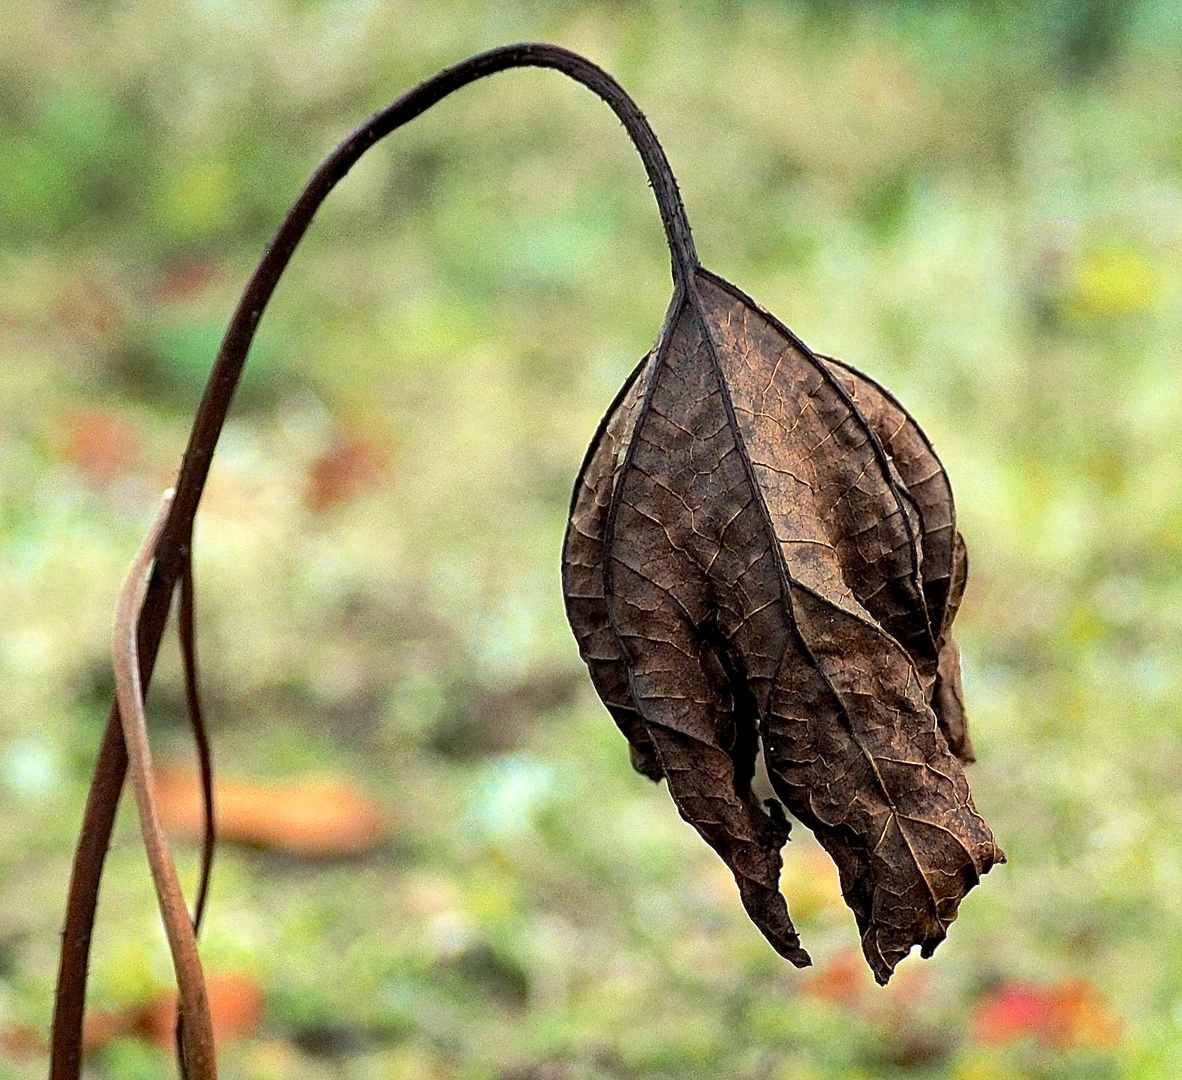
column 196, row 1041
column 173, row 549
column 231, row 357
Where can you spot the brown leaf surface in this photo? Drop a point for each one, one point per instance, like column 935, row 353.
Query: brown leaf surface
column 762, row 558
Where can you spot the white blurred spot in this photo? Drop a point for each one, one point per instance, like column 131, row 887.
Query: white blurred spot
column 31, row 769
column 512, row 791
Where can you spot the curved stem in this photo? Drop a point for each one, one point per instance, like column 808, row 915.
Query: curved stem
column 188, row 641
column 173, row 550
column 197, row 1050
column 231, row 357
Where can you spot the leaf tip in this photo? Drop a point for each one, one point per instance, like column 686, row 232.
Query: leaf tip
column 798, row 957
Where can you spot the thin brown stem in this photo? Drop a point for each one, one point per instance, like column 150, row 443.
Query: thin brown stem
column 223, row 379
column 197, row 1042
column 188, row 641
column 173, row 549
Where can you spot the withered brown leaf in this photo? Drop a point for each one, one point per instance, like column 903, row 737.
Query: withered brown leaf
column 762, row 562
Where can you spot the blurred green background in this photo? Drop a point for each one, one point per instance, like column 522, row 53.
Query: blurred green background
column 979, row 203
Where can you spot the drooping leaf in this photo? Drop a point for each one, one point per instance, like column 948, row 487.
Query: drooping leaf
column 762, row 562
column 762, row 559
column 945, row 559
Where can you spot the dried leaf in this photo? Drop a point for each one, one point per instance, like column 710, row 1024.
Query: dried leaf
column 312, row 818
column 236, row 1007
column 944, row 557
column 762, row 560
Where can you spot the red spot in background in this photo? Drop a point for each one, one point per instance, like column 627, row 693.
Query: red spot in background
column 350, row 466
column 103, row 1026
column 90, row 309
column 101, row 446
column 22, row 1043
column 185, row 280
column 846, row 982
column 1061, row 1015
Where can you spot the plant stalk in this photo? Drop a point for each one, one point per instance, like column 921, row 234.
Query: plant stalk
column 172, row 552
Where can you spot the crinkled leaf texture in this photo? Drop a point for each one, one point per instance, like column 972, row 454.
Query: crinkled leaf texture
column 762, row 562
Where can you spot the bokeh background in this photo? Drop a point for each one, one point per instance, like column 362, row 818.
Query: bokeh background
column 977, row 202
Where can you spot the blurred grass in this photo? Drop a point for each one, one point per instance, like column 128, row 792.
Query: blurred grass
column 979, row 203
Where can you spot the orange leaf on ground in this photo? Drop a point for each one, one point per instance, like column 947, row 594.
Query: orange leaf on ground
column 843, row 981
column 349, row 466
column 312, row 818
column 1082, row 1015
column 21, row 1043
column 236, row 1005
column 1064, row 1014
column 101, row 446
column 103, row 1026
